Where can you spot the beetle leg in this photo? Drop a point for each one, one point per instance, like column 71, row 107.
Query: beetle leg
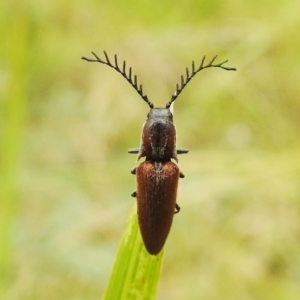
column 182, row 151
column 133, row 171
column 181, row 175
column 134, row 194
column 177, row 208
column 133, row 150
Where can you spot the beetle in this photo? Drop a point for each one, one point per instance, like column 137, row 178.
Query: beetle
column 157, row 177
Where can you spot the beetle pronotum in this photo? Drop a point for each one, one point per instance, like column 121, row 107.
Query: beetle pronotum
column 157, row 177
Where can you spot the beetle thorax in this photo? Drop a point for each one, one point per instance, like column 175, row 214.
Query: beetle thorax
column 158, row 136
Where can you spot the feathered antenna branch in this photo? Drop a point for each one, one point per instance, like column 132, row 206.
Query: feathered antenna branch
column 128, row 77
column 185, row 81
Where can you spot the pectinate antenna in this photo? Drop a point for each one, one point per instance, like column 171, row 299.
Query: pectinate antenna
column 185, row 81
column 122, row 71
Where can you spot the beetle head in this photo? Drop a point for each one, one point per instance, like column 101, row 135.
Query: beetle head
column 160, row 113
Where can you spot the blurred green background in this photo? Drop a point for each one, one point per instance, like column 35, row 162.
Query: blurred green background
column 66, row 125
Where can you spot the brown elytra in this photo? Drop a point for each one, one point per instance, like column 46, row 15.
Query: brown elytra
column 156, row 200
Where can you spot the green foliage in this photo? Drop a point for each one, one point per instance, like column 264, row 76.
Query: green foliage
column 135, row 273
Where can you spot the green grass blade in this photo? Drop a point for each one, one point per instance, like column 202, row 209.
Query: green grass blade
column 12, row 109
column 135, row 273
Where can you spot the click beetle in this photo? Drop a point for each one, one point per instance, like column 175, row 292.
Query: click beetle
column 157, row 177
